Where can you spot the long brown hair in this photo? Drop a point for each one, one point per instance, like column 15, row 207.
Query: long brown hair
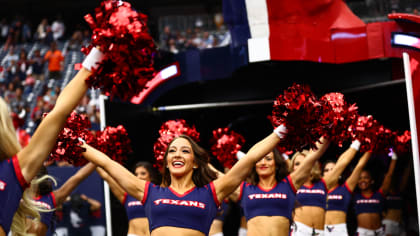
column 202, row 175
column 282, row 169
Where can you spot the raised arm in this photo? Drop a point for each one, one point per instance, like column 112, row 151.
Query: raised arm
column 33, row 155
column 331, row 179
column 386, row 184
column 130, row 183
column 94, row 204
column 354, row 177
column 113, row 185
column 67, row 188
column 406, row 175
column 234, row 196
column 226, row 184
column 304, row 170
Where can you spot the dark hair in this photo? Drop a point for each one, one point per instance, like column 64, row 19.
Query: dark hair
column 326, row 163
column 202, row 175
column 282, row 169
column 76, row 202
column 154, row 176
column 373, row 178
column 368, row 171
column 45, row 187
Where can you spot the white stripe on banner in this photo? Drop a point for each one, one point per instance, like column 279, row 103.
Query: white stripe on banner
column 258, row 44
column 259, row 49
column 257, row 18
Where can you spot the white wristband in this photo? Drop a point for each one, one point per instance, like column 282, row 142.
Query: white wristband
column 355, row 145
column 82, row 140
column 285, row 156
column 240, row 154
column 93, row 59
column 394, row 156
column 281, row 131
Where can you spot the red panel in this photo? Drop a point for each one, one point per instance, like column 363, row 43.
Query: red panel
column 301, row 49
column 404, row 16
column 303, row 30
column 350, row 44
column 375, row 38
column 327, row 31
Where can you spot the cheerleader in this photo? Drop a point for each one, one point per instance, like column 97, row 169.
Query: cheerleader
column 269, row 199
column 187, row 202
column 49, row 200
column 138, row 224
column 369, row 204
column 309, row 215
column 339, row 196
column 394, row 204
column 18, row 166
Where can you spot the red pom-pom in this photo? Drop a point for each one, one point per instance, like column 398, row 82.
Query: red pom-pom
column 114, row 142
column 226, row 143
column 122, row 35
column 67, row 147
column 299, row 110
column 402, row 142
column 168, row 131
column 384, row 140
column 338, row 116
column 365, row 130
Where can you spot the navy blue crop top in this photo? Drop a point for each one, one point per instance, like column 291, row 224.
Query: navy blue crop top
column 394, row 201
column 47, row 202
column 133, row 207
column 314, row 195
column 278, row 201
column 369, row 204
column 339, row 198
column 12, row 185
column 194, row 209
column 221, row 212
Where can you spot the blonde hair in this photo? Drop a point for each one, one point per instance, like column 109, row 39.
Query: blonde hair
column 316, row 173
column 9, row 146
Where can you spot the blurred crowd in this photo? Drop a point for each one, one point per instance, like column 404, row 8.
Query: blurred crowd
column 197, row 38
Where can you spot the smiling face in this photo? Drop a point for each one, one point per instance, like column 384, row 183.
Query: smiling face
column 142, row 173
column 365, row 181
column 266, row 166
column 180, row 157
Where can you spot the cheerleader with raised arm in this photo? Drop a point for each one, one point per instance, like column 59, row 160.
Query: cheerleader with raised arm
column 138, row 224
column 394, row 203
column 339, row 196
column 268, row 200
column 369, row 204
column 47, row 198
column 189, row 201
column 19, row 166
